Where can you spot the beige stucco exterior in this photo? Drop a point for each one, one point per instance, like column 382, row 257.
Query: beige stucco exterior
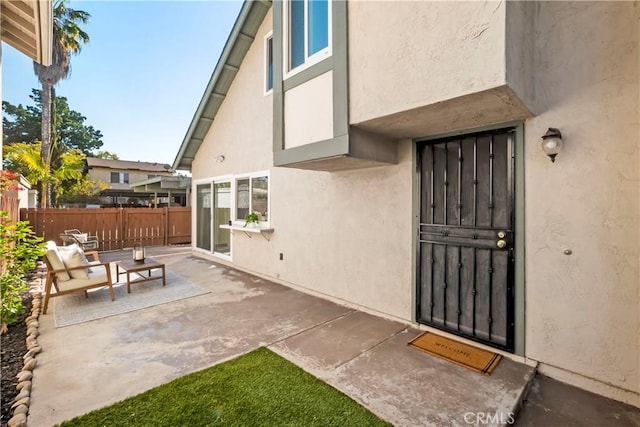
column 305, row 204
column 404, row 55
column 299, row 129
column 583, row 310
column 350, row 235
column 243, row 126
column 443, row 67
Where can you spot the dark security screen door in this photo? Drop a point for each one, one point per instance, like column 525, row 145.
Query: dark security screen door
column 465, row 268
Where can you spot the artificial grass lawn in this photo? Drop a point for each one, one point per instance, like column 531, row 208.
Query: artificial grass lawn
column 258, row 388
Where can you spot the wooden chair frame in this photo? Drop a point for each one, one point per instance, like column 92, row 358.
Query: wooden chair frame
column 52, row 280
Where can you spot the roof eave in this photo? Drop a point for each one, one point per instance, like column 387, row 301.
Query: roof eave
column 28, row 27
column 45, row 32
column 249, row 8
column 162, row 183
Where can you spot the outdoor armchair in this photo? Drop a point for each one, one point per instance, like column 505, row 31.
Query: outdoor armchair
column 83, row 240
column 68, row 271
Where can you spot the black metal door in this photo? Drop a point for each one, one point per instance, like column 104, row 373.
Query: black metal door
column 465, row 268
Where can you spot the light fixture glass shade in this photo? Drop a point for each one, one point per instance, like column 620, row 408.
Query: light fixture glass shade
column 552, row 143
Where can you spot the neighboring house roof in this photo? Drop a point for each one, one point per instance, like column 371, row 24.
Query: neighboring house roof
column 27, row 25
column 242, row 35
column 174, row 184
column 93, row 162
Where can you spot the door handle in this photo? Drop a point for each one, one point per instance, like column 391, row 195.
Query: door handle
column 501, row 244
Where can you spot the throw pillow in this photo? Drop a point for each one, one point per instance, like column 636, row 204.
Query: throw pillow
column 54, row 258
column 73, row 256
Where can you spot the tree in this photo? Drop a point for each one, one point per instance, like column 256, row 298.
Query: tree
column 82, row 191
column 27, row 159
column 20, row 124
column 106, row 155
column 23, row 124
column 68, row 39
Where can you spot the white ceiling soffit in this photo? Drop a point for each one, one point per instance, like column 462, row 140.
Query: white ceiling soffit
column 27, row 25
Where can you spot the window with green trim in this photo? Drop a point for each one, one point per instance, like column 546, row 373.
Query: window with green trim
column 308, row 30
column 268, row 61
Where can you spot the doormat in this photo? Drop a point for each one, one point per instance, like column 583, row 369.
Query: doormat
column 476, row 359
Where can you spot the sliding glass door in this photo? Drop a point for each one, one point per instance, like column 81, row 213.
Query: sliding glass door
column 222, row 215
column 203, row 217
column 213, row 208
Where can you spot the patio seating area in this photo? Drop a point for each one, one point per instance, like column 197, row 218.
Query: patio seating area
column 360, row 354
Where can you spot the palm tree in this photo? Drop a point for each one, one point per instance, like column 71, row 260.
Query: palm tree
column 27, row 159
column 68, row 39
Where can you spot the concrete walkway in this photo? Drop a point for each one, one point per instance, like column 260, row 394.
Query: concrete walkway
column 551, row 403
column 94, row 364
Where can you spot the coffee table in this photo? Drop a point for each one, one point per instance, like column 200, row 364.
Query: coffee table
column 131, row 266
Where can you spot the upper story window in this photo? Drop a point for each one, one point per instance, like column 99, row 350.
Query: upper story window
column 119, row 177
column 268, row 62
column 308, row 35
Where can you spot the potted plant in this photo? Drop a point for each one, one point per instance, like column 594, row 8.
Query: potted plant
column 252, row 220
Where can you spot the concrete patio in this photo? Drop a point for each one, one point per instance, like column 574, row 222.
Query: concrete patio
column 93, row 364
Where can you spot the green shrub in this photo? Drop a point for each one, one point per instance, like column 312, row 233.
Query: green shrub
column 20, row 249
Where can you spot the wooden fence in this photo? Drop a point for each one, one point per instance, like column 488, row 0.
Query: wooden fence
column 10, row 204
column 116, row 228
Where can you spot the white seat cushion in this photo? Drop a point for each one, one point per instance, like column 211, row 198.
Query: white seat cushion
column 98, row 274
column 73, row 256
column 54, row 258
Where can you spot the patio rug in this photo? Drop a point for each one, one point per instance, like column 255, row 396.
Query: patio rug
column 476, row 359
column 76, row 308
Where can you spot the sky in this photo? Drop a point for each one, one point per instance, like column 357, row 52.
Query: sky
column 141, row 77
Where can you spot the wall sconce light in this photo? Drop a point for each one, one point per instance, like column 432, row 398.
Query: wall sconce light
column 220, row 158
column 552, row 143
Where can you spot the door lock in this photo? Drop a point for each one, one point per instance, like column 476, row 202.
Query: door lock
column 501, row 244
column 501, row 234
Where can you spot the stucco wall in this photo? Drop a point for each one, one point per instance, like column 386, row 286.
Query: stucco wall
column 582, row 310
column 404, row 54
column 348, row 234
column 307, row 122
column 242, row 129
column 342, row 234
column 519, row 39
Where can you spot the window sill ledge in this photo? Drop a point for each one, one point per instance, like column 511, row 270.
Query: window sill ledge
column 249, row 230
